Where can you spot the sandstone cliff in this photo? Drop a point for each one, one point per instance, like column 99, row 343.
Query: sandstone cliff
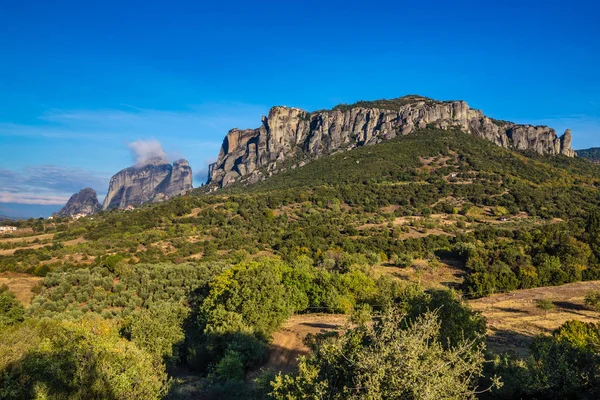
column 293, row 134
column 84, row 202
column 153, row 182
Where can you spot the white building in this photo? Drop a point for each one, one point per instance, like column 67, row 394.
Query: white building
column 7, row 229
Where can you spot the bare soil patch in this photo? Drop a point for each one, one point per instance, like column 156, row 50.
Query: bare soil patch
column 288, row 342
column 513, row 319
column 20, row 285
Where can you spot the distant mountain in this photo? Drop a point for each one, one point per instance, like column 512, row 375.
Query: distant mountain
column 294, row 136
column 155, row 181
column 84, row 202
column 5, row 218
column 592, row 154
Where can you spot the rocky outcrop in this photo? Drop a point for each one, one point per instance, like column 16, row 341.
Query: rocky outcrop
column 291, row 133
column 153, row 182
column 85, row 202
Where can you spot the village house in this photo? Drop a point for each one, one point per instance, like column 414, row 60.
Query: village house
column 7, row 229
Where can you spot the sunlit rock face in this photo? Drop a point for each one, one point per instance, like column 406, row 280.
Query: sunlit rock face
column 252, row 154
column 155, row 181
column 83, row 203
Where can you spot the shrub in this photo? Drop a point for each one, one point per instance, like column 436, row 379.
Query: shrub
column 592, row 300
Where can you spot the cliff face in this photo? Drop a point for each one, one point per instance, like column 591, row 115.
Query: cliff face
column 291, row 133
column 84, row 202
column 156, row 181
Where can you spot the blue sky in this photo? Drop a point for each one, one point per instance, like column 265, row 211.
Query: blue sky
column 81, row 80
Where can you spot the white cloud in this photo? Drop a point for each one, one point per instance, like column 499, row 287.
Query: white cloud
column 47, row 184
column 31, row 198
column 146, row 151
column 195, row 133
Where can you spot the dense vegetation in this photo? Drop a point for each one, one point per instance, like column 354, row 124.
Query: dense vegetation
column 201, row 282
column 215, row 320
column 386, row 104
column 592, row 154
column 389, row 359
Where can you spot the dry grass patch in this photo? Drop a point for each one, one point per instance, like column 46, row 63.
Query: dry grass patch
column 448, row 274
column 20, row 285
column 67, row 243
column 513, row 319
column 26, row 238
column 288, row 342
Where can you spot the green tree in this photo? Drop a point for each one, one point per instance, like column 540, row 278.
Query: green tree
column 545, row 305
column 566, row 364
column 11, row 309
column 84, row 360
column 458, row 322
column 383, row 361
column 592, row 299
column 159, row 329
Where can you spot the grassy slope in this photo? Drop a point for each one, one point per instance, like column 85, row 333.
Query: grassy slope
column 400, row 160
column 405, row 174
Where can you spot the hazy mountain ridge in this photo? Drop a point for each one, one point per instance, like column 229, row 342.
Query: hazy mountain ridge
column 591, row 154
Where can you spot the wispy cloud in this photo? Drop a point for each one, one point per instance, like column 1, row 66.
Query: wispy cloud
column 147, row 150
column 31, row 198
column 62, row 179
column 46, row 184
column 206, row 123
column 194, row 133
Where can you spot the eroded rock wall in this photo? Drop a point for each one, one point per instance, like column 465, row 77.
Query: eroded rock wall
column 286, row 132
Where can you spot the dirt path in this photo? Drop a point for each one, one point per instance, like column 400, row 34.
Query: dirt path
column 513, row 319
column 288, row 342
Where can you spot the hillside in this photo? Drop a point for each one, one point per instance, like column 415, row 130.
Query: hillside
column 291, row 136
column 592, row 154
column 215, row 275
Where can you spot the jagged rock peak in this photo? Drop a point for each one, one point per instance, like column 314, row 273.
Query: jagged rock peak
column 85, row 203
column 156, row 180
column 251, row 154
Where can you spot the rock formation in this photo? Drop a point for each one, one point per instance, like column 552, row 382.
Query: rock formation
column 153, row 182
column 288, row 133
column 85, row 202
